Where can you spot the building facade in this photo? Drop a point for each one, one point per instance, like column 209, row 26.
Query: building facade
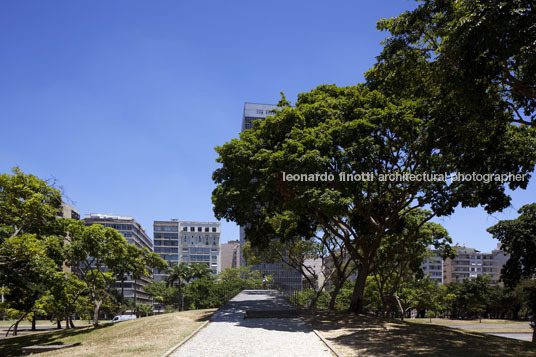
column 230, row 255
column 166, row 243
column 134, row 234
column 467, row 265
column 189, row 242
column 68, row 211
column 200, row 243
column 433, row 267
column 470, row 263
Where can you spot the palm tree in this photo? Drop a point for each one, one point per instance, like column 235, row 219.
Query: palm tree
column 179, row 275
column 200, row 271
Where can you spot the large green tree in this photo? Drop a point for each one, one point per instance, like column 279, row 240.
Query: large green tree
column 99, row 255
column 30, row 238
column 350, row 130
column 518, row 239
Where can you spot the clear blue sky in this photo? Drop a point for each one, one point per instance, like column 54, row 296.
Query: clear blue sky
column 123, row 101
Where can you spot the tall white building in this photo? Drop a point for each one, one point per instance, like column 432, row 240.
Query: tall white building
column 189, row 242
column 200, row 243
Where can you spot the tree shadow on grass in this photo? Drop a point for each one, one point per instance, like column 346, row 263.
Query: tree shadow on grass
column 12, row 346
column 370, row 336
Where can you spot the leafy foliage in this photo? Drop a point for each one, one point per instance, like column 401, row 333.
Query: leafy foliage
column 518, row 238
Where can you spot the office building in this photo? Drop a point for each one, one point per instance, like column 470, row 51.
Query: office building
column 200, row 243
column 189, row 242
column 230, row 255
column 134, row 234
column 166, row 243
column 285, row 278
column 68, row 211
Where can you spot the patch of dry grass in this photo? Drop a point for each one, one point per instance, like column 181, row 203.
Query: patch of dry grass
column 370, row 336
column 148, row 336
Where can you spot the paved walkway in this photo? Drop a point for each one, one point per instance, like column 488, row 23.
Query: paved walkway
column 228, row 334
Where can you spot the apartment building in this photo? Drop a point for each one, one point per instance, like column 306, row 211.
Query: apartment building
column 470, row 263
column 433, row 267
column 134, row 234
column 187, row 241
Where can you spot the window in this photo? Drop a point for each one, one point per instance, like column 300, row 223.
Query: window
column 192, row 229
column 185, row 229
column 206, row 229
column 213, row 229
column 200, row 229
column 260, row 111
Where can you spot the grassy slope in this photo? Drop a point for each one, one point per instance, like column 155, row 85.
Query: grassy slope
column 148, row 336
column 369, row 336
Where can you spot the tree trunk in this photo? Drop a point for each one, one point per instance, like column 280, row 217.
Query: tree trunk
column 33, row 321
column 135, row 296
column 97, row 304
column 58, row 323
column 314, row 300
column 123, row 290
column 15, row 325
column 356, row 305
column 334, row 295
column 67, row 326
column 180, row 296
column 71, row 322
column 402, row 311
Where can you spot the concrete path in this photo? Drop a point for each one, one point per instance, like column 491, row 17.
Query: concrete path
column 516, row 336
column 228, row 334
column 485, row 326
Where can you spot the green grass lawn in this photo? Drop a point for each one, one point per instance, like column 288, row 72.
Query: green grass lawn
column 370, row 336
column 148, row 336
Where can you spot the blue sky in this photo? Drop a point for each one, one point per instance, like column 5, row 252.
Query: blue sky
column 123, row 101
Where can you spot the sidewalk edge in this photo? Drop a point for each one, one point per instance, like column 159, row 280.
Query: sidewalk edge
column 330, row 346
column 174, row 348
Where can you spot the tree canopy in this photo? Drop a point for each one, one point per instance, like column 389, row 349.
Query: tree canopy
column 518, row 239
column 349, row 131
column 475, row 54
